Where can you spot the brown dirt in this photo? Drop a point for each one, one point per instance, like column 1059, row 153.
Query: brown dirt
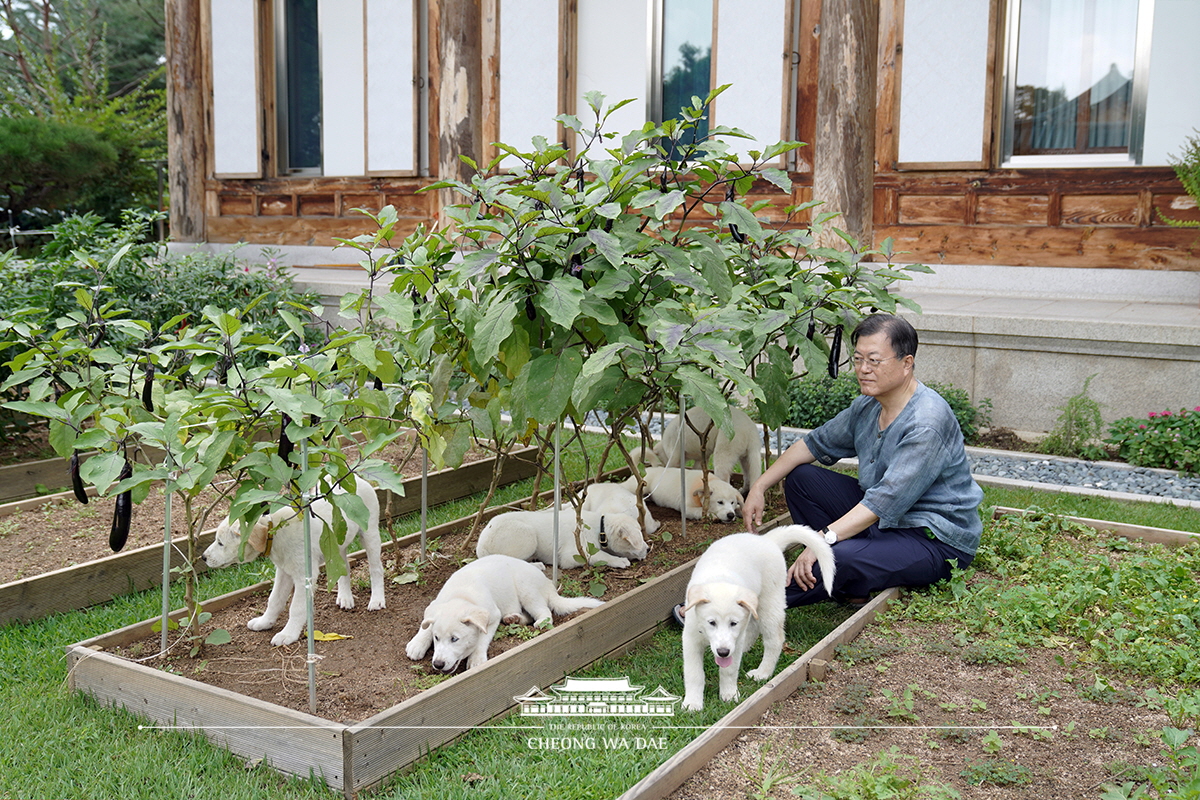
column 351, row 683
column 62, row 532
column 1068, row 752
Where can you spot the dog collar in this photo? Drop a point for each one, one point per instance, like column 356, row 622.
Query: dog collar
column 603, row 535
column 270, row 539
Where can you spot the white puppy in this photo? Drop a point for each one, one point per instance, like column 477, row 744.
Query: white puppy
column 463, row 618
column 722, row 502
column 614, row 498
column 745, row 448
column 609, row 539
column 281, row 535
column 736, row 590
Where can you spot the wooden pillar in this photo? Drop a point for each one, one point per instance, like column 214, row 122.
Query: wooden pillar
column 460, row 90
column 844, row 150
column 186, row 127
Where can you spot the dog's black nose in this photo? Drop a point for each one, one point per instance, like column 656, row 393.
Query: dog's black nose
column 723, row 652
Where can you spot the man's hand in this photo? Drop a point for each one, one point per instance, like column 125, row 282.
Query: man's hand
column 801, row 571
column 752, row 509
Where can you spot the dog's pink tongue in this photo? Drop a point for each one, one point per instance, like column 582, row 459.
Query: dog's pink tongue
column 724, row 661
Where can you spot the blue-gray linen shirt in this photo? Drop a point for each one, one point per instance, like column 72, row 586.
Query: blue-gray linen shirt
column 915, row 473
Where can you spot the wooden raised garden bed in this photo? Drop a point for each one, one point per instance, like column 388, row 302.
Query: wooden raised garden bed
column 101, row 580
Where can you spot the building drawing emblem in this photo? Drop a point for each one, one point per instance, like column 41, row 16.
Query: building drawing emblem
column 597, row 697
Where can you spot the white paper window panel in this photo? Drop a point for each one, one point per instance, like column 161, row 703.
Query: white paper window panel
column 528, row 71
column 236, row 143
column 343, row 129
column 391, row 101
column 613, row 58
column 943, row 80
column 1172, row 96
column 750, row 57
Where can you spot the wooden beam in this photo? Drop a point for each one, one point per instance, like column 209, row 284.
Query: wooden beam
column 187, row 129
column 844, row 168
column 460, row 91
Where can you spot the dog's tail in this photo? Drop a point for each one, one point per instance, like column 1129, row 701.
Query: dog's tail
column 787, row 536
column 569, row 605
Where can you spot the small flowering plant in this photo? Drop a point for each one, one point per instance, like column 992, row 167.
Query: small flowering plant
column 1166, row 439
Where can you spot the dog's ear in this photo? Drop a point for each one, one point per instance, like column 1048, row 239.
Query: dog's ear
column 750, row 603
column 695, row 596
column 477, row 618
column 426, row 624
column 258, row 535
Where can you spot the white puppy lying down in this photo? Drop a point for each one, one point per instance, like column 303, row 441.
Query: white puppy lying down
column 745, row 448
column 723, row 503
column 614, row 498
column 609, row 539
column 736, row 590
column 281, row 535
column 463, row 618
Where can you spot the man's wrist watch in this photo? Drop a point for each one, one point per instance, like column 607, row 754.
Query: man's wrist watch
column 830, row 536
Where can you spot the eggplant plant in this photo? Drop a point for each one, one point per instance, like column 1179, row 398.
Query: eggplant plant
column 614, row 276
column 195, row 406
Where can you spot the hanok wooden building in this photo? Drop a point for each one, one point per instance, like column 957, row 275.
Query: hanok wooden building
column 1020, row 147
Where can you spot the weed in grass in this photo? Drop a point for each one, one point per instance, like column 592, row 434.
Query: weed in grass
column 992, row 742
column 853, row 699
column 957, row 735
column 891, row 775
column 1177, row 776
column 1182, row 708
column 865, row 652
column 997, row 652
column 902, row 704
column 1103, row 691
column 858, row 731
column 765, row 776
column 996, row 772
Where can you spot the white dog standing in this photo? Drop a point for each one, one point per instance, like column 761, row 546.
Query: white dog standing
column 281, row 535
column 463, row 618
column 736, row 591
column 614, row 540
column 744, row 448
column 722, row 503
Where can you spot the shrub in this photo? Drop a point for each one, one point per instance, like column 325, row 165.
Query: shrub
column 45, row 164
column 1168, row 440
column 814, row 400
column 817, row 399
column 1077, row 429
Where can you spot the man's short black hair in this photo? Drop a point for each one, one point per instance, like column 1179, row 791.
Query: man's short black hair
column 901, row 335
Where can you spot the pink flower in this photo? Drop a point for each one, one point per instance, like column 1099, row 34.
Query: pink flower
column 1143, row 427
column 1166, row 413
column 1153, row 415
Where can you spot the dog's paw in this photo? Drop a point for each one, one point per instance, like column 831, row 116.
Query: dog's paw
column 730, row 697
column 376, row 604
column 692, row 704
column 416, row 650
column 614, row 561
column 760, row 674
column 284, row 637
column 263, row 623
column 346, row 601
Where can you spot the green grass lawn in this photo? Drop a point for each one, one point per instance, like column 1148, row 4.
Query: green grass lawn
column 59, row 744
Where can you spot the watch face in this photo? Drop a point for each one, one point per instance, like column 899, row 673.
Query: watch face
column 831, row 537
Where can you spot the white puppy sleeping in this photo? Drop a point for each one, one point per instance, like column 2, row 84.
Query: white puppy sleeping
column 744, row 447
column 614, row 540
column 614, row 498
column 462, row 620
column 736, row 590
column 281, row 536
column 722, row 503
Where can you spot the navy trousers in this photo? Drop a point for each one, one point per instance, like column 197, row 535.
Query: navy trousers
column 872, row 560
